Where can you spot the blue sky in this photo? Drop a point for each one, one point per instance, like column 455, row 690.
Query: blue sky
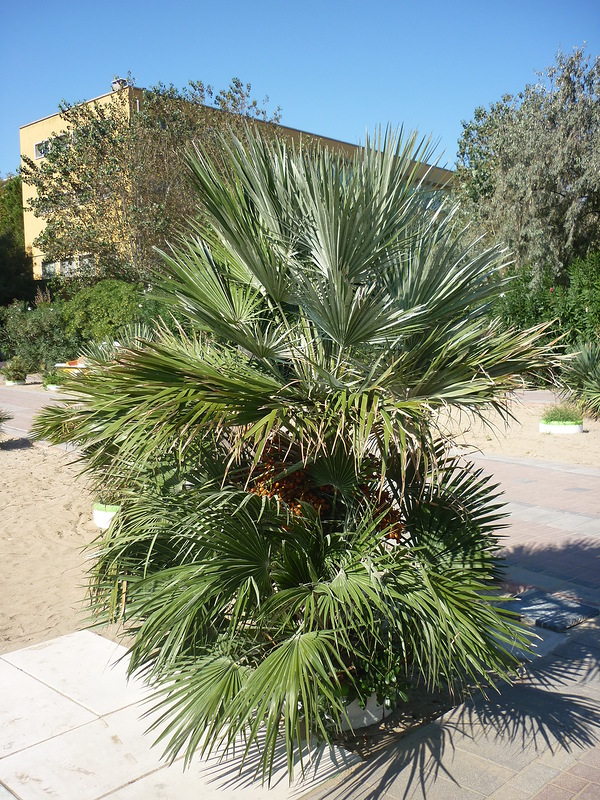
column 335, row 68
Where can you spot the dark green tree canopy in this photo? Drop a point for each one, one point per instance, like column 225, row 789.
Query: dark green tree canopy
column 16, row 279
column 113, row 186
column 11, row 208
column 529, row 166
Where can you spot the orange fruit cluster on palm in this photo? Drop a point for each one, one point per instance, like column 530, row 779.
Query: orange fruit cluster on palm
column 293, row 488
column 298, row 486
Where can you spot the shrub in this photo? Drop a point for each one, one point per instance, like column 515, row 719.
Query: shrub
column 37, row 335
column 582, row 322
column 8, row 328
column 15, row 369
column 47, row 332
column 563, row 412
column 53, row 377
column 581, row 377
column 572, row 308
column 527, row 302
column 95, row 313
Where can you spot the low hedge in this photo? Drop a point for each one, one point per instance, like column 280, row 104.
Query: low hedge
column 49, row 330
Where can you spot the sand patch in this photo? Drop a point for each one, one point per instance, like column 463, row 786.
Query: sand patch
column 45, row 521
column 520, row 437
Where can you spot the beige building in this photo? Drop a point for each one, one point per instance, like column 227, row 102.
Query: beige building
column 34, row 139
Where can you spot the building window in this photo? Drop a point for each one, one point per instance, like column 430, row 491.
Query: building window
column 86, row 264
column 41, row 148
column 69, row 268
column 49, row 268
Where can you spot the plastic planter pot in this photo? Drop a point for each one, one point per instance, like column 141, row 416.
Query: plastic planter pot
column 359, row 717
column 103, row 514
column 561, row 428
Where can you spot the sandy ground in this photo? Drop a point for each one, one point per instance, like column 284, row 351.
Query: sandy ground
column 520, row 437
column 45, row 520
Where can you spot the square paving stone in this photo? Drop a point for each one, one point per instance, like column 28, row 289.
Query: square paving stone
column 551, row 610
column 85, row 667
column 31, row 712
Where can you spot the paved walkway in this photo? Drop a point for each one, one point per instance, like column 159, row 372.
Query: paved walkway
column 537, row 740
column 22, row 403
column 71, row 728
column 554, row 526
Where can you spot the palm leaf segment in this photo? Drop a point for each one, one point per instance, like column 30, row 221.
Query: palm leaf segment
column 294, row 524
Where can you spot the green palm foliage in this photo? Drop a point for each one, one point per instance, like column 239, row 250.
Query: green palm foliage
column 292, row 528
column 4, row 417
column 581, row 377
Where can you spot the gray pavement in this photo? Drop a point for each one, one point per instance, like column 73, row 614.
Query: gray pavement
column 538, row 739
column 553, row 536
column 23, row 402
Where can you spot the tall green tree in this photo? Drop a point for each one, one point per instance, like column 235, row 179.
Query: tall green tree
column 292, row 528
column 112, row 186
column 16, row 276
column 528, row 167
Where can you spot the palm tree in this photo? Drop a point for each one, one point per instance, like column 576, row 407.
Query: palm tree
column 581, row 377
column 293, row 529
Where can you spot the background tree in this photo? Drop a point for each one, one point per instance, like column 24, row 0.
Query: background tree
column 113, row 185
column 529, row 166
column 16, row 277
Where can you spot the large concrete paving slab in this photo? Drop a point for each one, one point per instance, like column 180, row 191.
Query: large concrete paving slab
column 72, row 727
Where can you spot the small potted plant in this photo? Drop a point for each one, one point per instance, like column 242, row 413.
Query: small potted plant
column 53, row 380
column 377, row 688
column 561, row 418
column 105, row 509
column 15, row 372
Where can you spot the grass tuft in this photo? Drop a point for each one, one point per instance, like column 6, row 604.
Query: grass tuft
column 562, row 412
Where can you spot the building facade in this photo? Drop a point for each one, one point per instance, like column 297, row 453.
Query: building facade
column 34, row 138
